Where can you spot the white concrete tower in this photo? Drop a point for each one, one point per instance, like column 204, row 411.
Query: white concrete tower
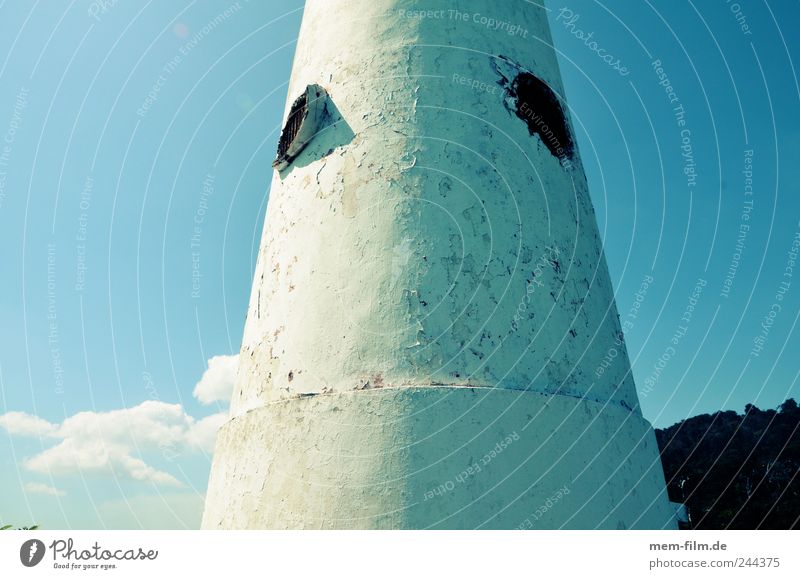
column 432, row 339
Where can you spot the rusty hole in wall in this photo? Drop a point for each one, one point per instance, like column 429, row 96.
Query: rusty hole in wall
column 541, row 110
column 293, row 123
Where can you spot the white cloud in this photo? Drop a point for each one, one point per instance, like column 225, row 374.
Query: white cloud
column 204, row 432
column 114, row 442
column 217, row 382
column 25, row 424
column 43, row 489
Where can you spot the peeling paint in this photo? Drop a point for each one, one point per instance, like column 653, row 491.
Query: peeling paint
column 404, row 262
column 325, row 472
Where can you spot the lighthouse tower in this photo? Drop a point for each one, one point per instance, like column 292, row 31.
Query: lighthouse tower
column 432, row 339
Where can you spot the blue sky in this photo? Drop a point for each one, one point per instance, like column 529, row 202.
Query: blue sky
column 135, row 157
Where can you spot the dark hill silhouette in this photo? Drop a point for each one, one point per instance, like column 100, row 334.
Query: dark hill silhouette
column 736, row 471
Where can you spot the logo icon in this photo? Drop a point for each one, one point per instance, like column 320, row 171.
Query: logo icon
column 32, row 552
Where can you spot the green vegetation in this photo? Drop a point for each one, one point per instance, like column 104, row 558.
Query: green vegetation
column 11, row 527
column 736, row 471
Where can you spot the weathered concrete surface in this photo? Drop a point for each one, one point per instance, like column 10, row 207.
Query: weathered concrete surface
column 426, row 237
column 433, row 234
column 459, row 458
